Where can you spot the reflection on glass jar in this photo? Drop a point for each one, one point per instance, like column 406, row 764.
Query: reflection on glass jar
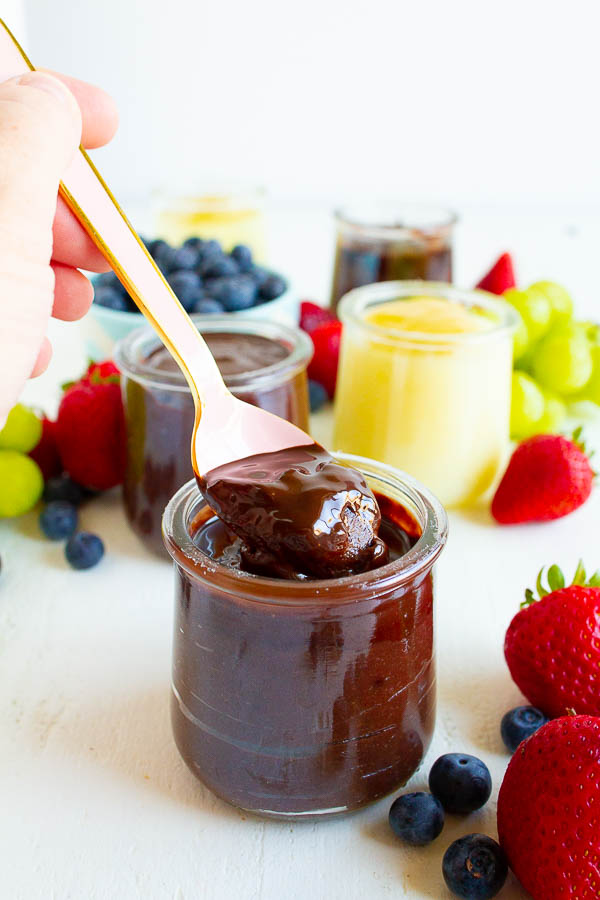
column 306, row 698
column 432, row 403
column 223, row 213
column 390, row 242
column 263, row 363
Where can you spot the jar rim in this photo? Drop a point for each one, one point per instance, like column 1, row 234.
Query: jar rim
column 354, row 304
column 393, row 219
column 416, row 498
column 131, row 353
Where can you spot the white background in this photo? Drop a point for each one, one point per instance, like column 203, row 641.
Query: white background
column 468, row 102
column 491, row 107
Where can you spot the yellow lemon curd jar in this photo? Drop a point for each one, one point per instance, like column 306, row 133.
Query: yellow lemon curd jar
column 224, row 213
column 424, row 383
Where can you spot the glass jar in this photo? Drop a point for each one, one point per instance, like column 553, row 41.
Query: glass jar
column 305, row 698
column 227, row 213
column 159, row 410
column 436, row 405
column 386, row 242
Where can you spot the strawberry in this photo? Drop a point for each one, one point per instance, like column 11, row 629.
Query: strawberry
column 90, row 428
column 548, row 476
column 324, row 364
column 548, row 810
column 103, row 370
column 45, row 453
column 552, row 645
column 501, row 276
column 312, row 315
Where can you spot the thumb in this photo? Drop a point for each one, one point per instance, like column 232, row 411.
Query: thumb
column 40, row 129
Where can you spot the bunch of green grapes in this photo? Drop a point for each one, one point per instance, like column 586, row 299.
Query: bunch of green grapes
column 556, row 359
column 21, row 481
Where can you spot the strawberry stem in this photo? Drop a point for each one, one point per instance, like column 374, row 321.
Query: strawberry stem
column 556, row 582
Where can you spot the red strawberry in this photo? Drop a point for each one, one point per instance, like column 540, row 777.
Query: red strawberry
column 312, row 315
column 548, row 810
column 548, row 476
column 90, row 429
column 552, row 647
column 45, row 453
column 324, row 364
column 104, row 370
column 501, row 276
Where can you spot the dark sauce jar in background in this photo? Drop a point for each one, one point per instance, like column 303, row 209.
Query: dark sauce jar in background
column 391, row 242
column 262, row 362
column 305, row 698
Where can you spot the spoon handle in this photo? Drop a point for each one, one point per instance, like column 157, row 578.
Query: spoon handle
column 91, row 201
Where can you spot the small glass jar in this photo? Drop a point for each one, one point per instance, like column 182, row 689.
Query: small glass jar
column 304, row 699
column 436, row 405
column 230, row 214
column 159, row 410
column 385, row 241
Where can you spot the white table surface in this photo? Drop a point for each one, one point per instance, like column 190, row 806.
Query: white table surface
column 96, row 803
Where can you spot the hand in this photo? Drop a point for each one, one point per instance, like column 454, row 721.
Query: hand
column 43, row 119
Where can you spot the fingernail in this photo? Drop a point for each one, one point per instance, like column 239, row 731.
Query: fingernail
column 47, row 83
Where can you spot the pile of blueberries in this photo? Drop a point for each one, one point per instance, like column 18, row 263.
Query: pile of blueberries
column 205, row 278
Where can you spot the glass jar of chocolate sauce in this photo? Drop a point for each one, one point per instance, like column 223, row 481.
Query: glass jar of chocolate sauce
column 304, row 698
column 386, row 241
column 262, row 362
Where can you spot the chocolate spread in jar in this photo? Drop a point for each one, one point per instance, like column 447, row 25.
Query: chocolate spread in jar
column 284, row 705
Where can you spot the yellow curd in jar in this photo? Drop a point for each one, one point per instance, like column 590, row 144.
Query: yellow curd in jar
column 227, row 218
column 424, row 385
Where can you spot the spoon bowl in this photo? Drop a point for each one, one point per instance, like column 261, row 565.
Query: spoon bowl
column 226, row 429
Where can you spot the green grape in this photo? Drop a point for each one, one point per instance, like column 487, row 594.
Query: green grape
column 561, row 301
column 22, row 430
column 563, row 360
column 526, row 407
column 520, row 337
column 555, row 412
column 591, row 390
column 534, row 308
column 525, row 362
column 21, row 483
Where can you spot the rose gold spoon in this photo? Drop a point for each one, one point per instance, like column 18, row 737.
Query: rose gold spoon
column 226, row 429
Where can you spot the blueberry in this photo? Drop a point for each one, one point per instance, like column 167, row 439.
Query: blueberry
column 273, row 286
column 110, row 280
column 208, row 306
column 194, row 243
column 109, row 298
column 235, row 293
column 475, row 867
column 417, row 818
column 157, row 247
column 84, row 550
column 164, row 258
column 519, row 724
column 462, row 783
column 186, row 285
column 61, row 487
column 210, row 248
column 218, row 267
column 243, row 257
column 58, row 520
column 183, row 258
column 259, row 275
column 317, row 395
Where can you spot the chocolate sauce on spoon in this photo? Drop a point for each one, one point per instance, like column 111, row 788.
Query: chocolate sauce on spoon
column 299, row 513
